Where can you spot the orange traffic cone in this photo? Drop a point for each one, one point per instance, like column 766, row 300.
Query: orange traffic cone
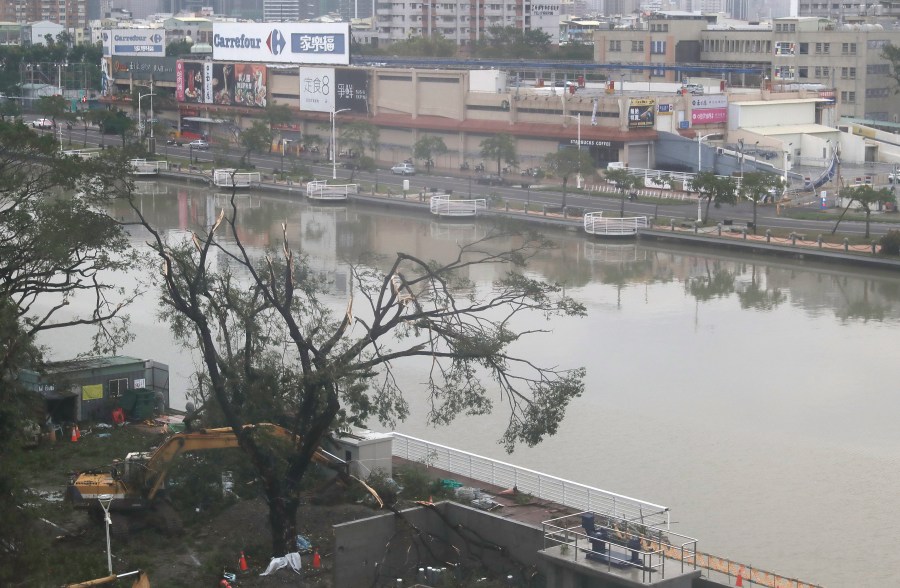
column 317, row 560
column 76, row 434
column 243, row 562
column 740, row 578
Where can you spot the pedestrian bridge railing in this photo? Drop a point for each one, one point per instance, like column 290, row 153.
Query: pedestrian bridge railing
column 442, row 205
column 230, row 178
column 504, row 475
column 322, row 190
column 142, row 167
column 596, row 224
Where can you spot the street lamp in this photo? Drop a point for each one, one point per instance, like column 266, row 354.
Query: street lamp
column 283, row 141
column 700, row 139
column 577, row 117
column 105, row 501
column 140, row 101
column 334, row 114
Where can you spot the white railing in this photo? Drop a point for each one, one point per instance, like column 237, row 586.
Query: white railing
column 322, row 190
column 442, row 205
column 542, row 486
column 142, row 167
column 229, row 178
column 82, row 153
column 596, row 224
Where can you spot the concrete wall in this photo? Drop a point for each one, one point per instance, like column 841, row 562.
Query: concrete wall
column 360, row 547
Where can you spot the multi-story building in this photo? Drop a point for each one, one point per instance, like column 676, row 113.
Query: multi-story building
column 845, row 59
column 463, row 21
column 71, row 14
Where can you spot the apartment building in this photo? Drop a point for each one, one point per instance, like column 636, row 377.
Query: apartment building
column 71, row 14
column 845, row 59
column 463, row 21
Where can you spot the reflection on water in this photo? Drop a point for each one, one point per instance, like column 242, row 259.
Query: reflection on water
column 753, row 396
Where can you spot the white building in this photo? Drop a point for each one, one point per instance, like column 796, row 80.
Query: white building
column 40, row 29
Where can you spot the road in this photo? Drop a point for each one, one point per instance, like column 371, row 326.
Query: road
column 463, row 184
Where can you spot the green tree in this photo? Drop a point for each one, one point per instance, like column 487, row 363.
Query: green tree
column 624, row 182
column 433, row 46
column 257, row 138
column 278, row 114
column 501, row 147
column 868, row 198
column 427, row 148
column 756, row 186
column 513, row 43
column 178, row 48
column 9, row 110
column 52, row 249
column 360, row 137
column 272, row 349
column 53, row 107
column 713, row 188
column 566, row 162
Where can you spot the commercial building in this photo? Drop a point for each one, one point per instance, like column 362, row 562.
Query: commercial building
column 845, row 59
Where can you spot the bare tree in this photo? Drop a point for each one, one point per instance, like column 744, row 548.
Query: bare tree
column 272, row 349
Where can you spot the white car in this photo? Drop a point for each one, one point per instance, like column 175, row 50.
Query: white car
column 404, row 169
column 42, row 123
column 199, row 144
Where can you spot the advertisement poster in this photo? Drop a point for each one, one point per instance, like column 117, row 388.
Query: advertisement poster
column 284, row 42
column 207, row 82
column 223, row 83
column 161, row 69
column 352, row 90
column 193, row 82
column 250, row 85
column 709, row 109
column 640, row 113
column 317, row 88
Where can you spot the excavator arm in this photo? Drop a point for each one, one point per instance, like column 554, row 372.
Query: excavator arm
column 161, row 460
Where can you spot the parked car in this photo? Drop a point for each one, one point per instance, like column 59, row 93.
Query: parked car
column 404, row 169
column 42, row 123
column 490, row 180
column 199, row 144
column 174, row 141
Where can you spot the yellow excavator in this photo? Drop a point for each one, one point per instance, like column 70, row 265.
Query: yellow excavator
column 134, row 485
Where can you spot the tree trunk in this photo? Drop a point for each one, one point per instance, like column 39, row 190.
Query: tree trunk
column 283, row 520
column 622, row 204
column 868, row 212
column 706, row 212
column 565, row 182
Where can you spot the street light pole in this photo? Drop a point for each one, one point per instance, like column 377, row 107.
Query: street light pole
column 105, row 501
column 334, row 114
column 700, row 139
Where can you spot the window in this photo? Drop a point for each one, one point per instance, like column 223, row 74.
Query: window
column 804, row 48
column 658, row 47
column 117, row 387
column 848, row 97
column 848, row 73
column 615, row 45
column 637, row 46
column 658, row 73
column 802, row 72
column 848, row 48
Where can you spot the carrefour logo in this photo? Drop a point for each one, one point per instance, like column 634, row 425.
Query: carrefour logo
column 275, row 42
column 156, row 38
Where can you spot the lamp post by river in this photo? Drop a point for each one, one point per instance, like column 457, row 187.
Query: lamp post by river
column 283, row 141
column 577, row 117
column 141, row 126
column 700, row 139
column 334, row 114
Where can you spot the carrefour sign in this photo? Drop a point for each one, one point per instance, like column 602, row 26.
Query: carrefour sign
column 137, row 42
column 283, row 42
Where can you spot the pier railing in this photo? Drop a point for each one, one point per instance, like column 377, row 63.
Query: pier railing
column 442, row 205
column 596, row 224
column 504, row 475
column 322, row 190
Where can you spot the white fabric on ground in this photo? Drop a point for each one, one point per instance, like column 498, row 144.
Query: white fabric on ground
column 291, row 560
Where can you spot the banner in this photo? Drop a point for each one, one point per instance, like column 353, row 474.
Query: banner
column 250, row 85
column 640, row 113
column 223, row 83
column 92, row 392
column 161, row 69
column 179, row 81
column 352, row 90
column 285, row 42
column 317, row 87
column 208, row 82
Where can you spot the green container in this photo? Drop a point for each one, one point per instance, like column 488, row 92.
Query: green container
column 138, row 404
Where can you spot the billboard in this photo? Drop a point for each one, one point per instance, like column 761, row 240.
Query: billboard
column 317, row 88
column 640, row 113
column 709, row 109
column 133, row 42
column 191, row 87
column 250, row 85
column 286, row 42
column 352, row 90
column 208, row 82
column 143, row 68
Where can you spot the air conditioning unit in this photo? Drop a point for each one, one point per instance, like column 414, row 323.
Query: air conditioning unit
column 719, row 151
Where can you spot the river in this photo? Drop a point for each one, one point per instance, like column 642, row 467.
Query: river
column 752, row 396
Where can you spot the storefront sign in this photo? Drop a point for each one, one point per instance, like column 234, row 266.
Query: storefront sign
column 145, row 68
column 352, row 90
column 302, row 43
column 709, row 109
column 317, row 89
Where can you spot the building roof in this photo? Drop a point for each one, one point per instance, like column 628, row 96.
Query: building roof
column 88, row 363
column 776, row 102
column 807, row 129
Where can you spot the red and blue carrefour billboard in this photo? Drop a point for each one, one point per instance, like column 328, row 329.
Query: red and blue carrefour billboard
column 282, row 42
